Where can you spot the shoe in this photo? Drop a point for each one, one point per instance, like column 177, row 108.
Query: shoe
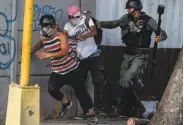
column 114, row 112
column 99, row 110
column 140, row 111
column 127, row 112
column 86, row 116
column 65, row 108
column 150, row 116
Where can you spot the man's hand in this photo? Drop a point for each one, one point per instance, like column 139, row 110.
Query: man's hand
column 43, row 55
column 157, row 39
column 80, row 37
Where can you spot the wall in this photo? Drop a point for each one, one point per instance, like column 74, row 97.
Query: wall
column 6, row 41
column 11, row 38
column 89, row 5
column 172, row 20
column 112, row 58
column 112, row 49
column 10, row 48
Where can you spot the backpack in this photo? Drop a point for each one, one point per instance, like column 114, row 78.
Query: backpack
column 98, row 37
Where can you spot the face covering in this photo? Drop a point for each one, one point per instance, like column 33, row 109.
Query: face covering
column 75, row 21
column 47, row 32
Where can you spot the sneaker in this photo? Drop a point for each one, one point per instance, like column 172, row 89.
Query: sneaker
column 99, row 111
column 65, row 108
column 85, row 116
column 114, row 112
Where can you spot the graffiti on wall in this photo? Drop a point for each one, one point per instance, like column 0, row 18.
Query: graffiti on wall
column 39, row 11
column 6, row 41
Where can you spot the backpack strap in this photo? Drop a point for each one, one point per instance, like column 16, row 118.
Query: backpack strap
column 87, row 21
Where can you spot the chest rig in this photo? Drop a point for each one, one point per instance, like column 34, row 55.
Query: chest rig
column 137, row 35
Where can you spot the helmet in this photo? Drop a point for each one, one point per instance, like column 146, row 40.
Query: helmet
column 47, row 19
column 136, row 4
column 47, row 31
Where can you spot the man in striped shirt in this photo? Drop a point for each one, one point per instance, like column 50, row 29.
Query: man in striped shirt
column 64, row 66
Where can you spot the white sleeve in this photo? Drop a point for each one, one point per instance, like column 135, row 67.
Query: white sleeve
column 91, row 23
column 66, row 27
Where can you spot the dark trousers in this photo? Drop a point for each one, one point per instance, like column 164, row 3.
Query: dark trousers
column 75, row 79
column 110, row 93
column 131, row 79
column 129, row 102
column 93, row 66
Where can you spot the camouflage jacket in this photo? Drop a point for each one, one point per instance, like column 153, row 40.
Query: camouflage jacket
column 135, row 33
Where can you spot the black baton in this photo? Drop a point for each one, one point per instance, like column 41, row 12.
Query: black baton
column 160, row 11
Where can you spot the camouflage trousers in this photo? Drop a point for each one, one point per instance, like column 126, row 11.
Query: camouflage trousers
column 131, row 71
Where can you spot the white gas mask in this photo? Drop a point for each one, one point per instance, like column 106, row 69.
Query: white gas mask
column 47, row 31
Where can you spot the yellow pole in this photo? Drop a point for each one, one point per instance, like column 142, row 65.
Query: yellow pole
column 26, row 42
column 25, row 98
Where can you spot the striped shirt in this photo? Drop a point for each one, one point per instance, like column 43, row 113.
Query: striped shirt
column 65, row 64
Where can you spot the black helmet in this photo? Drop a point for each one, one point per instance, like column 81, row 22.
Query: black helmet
column 47, row 19
column 136, row 4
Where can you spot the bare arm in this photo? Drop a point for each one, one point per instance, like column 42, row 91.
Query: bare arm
column 36, row 47
column 69, row 37
column 91, row 33
column 62, row 52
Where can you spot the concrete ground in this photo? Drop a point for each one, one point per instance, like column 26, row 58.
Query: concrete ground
column 101, row 121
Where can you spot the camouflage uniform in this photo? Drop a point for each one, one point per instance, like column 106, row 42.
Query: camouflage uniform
column 136, row 34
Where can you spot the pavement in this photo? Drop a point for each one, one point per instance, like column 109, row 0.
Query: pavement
column 101, row 121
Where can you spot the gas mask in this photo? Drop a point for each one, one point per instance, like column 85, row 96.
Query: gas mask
column 47, row 31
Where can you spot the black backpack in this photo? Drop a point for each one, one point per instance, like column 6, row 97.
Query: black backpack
column 98, row 37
